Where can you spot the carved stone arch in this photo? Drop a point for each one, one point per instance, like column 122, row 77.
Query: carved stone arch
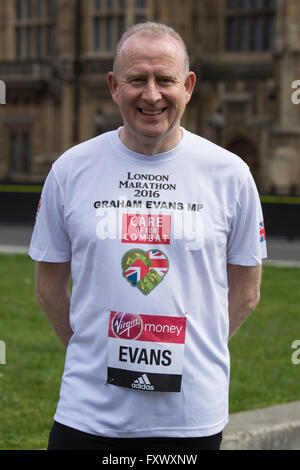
column 247, row 150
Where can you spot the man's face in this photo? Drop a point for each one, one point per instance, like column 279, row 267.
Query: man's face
column 151, row 92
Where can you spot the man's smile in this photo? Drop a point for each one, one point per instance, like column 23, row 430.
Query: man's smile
column 154, row 112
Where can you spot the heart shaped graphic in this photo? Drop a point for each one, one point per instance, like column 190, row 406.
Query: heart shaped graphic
column 144, row 269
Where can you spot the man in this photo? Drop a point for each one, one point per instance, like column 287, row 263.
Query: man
column 154, row 224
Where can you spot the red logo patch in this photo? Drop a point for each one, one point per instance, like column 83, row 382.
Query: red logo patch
column 126, row 325
column 38, row 209
column 145, row 228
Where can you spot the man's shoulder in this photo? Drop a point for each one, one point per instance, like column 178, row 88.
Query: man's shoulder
column 216, row 155
column 81, row 158
column 85, row 149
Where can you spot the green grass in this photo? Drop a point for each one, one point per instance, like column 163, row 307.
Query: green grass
column 262, row 372
column 30, row 379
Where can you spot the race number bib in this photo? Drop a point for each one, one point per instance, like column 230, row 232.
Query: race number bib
column 146, row 352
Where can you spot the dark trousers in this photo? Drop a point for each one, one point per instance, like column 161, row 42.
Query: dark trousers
column 65, row 438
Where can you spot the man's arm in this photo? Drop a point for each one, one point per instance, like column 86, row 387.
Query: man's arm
column 53, row 294
column 244, row 293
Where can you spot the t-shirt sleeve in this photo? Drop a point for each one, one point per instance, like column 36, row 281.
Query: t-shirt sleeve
column 247, row 239
column 50, row 241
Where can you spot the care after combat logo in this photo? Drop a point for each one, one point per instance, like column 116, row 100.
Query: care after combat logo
column 144, row 270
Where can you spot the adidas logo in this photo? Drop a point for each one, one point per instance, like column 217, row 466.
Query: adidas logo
column 142, row 383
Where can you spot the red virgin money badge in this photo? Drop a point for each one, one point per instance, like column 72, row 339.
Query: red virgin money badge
column 126, row 325
column 146, row 352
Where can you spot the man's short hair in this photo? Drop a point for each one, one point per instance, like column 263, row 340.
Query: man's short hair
column 153, row 30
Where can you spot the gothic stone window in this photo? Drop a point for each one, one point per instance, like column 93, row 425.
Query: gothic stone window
column 113, row 17
column 250, row 25
column 34, row 28
column 20, row 151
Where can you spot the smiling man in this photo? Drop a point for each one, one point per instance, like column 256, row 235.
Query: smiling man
column 151, row 85
column 160, row 230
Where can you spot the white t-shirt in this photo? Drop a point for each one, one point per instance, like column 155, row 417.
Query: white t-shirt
column 149, row 239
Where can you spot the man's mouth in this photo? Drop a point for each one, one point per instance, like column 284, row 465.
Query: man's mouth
column 148, row 112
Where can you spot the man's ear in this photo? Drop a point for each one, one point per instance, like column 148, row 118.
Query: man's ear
column 113, row 86
column 189, row 84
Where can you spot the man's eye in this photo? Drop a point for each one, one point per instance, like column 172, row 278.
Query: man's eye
column 165, row 81
column 137, row 81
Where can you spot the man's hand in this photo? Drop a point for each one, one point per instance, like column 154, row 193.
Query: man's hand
column 244, row 293
column 53, row 294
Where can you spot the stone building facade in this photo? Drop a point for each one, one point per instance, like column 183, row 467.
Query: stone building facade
column 55, row 54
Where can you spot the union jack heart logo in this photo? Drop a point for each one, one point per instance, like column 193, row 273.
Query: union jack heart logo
column 144, row 269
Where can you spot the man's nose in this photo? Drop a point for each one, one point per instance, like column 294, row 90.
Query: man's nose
column 151, row 92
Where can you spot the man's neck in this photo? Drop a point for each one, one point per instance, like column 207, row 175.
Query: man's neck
column 150, row 145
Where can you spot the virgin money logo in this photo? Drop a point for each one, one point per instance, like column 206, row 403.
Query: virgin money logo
column 127, row 325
